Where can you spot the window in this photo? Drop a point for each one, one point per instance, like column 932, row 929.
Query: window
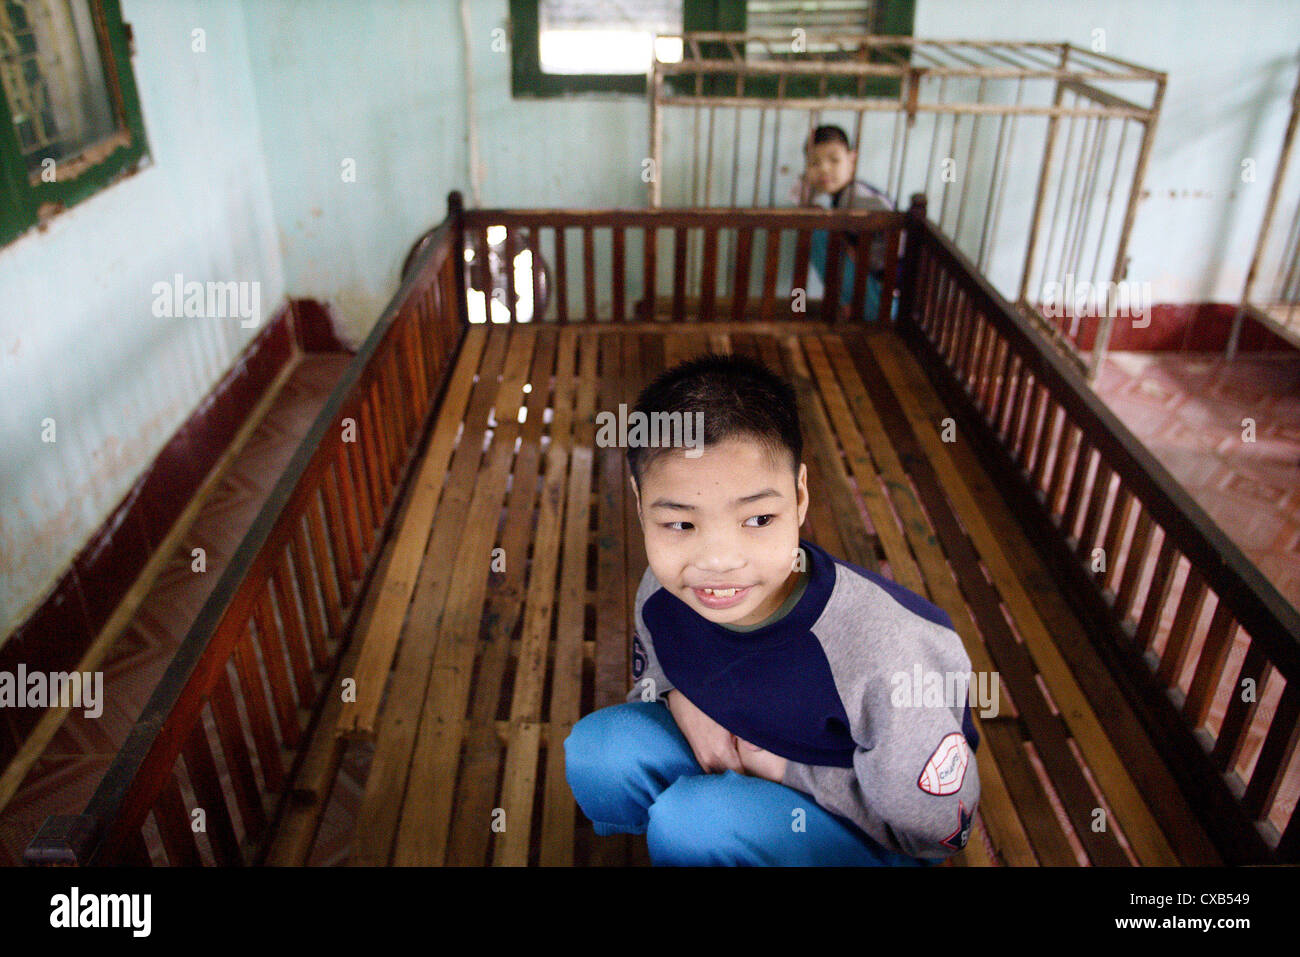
column 576, row 46
column 70, row 118
column 594, row 46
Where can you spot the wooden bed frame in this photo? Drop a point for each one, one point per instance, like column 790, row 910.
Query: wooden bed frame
column 306, row 619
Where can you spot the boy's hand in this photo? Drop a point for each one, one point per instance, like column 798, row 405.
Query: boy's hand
column 760, row 763
column 713, row 745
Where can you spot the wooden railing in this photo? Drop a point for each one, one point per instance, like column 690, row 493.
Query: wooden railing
column 685, row 265
column 264, row 647
column 254, row 666
column 1081, row 482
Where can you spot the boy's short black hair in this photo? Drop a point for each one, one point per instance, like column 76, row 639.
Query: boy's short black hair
column 739, row 398
column 829, row 133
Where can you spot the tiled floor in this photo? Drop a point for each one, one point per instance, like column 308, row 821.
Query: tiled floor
column 1192, row 411
column 1187, row 408
column 66, row 775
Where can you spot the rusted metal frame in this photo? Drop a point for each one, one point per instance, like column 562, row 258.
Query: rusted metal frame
column 1120, row 269
column 1266, row 225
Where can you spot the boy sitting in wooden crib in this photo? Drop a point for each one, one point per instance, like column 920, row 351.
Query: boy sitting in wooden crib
column 829, row 173
column 765, row 725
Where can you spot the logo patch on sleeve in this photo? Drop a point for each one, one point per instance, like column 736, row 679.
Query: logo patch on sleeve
column 946, row 769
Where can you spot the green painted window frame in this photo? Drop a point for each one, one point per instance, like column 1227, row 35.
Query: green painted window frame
column 27, row 201
column 528, row 80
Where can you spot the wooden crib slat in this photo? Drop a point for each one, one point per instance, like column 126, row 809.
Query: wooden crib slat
column 347, row 558
column 566, row 681
column 295, row 636
column 649, row 276
column 1185, row 618
column 535, row 248
column 390, row 409
column 619, row 278
column 484, row 272
column 802, row 248
column 237, row 754
column 173, row 821
column 1227, row 746
column 1157, row 595
column 270, row 641
column 771, row 260
column 211, row 798
column 997, row 367
column 1116, row 527
column 1134, row 564
column 708, row 276
column 370, row 456
column 328, row 576
column 679, row 274
column 858, row 297
column 740, row 282
column 888, row 284
column 510, row 252
column 561, row 275
column 377, row 406
column 253, row 694
column 312, row 600
column 354, row 474
column 589, row 275
column 1082, row 464
column 1067, row 447
column 1279, row 745
column 1210, row 666
column 834, row 270
column 135, row 853
column 336, row 484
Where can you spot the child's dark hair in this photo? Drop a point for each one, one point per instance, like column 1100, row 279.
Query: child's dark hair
column 739, row 398
column 829, row 133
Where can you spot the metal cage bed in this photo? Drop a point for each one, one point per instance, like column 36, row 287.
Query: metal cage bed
column 1272, row 288
column 1031, row 155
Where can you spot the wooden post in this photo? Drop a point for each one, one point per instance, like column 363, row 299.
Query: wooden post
column 456, row 213
column 911, row 260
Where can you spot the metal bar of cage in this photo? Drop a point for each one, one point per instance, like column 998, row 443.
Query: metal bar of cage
column 938, row 82
column 1266, row 308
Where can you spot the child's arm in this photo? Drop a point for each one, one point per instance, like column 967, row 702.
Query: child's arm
column 649, row 681
column 914, row 784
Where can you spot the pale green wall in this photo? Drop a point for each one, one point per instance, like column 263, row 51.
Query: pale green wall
column 78, row 340
column 383, row 83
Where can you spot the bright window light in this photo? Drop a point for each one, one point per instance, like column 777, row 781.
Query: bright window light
column 595, row 51
column 668, row 49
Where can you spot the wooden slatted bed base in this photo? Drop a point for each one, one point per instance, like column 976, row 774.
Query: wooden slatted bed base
column 436, row 600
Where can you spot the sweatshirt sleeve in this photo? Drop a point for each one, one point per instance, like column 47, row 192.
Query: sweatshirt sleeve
column 649, row 683
column 914, row 784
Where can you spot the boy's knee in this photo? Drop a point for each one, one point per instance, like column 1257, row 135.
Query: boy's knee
column 689, row 824
column 604, row 737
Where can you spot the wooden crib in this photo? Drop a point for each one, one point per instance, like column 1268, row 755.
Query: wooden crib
column 442, row 580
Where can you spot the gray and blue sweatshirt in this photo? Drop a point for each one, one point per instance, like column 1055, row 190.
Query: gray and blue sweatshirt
column 826, row 682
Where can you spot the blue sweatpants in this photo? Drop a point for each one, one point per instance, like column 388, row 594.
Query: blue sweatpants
column 818, row 249
column 632, row 771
